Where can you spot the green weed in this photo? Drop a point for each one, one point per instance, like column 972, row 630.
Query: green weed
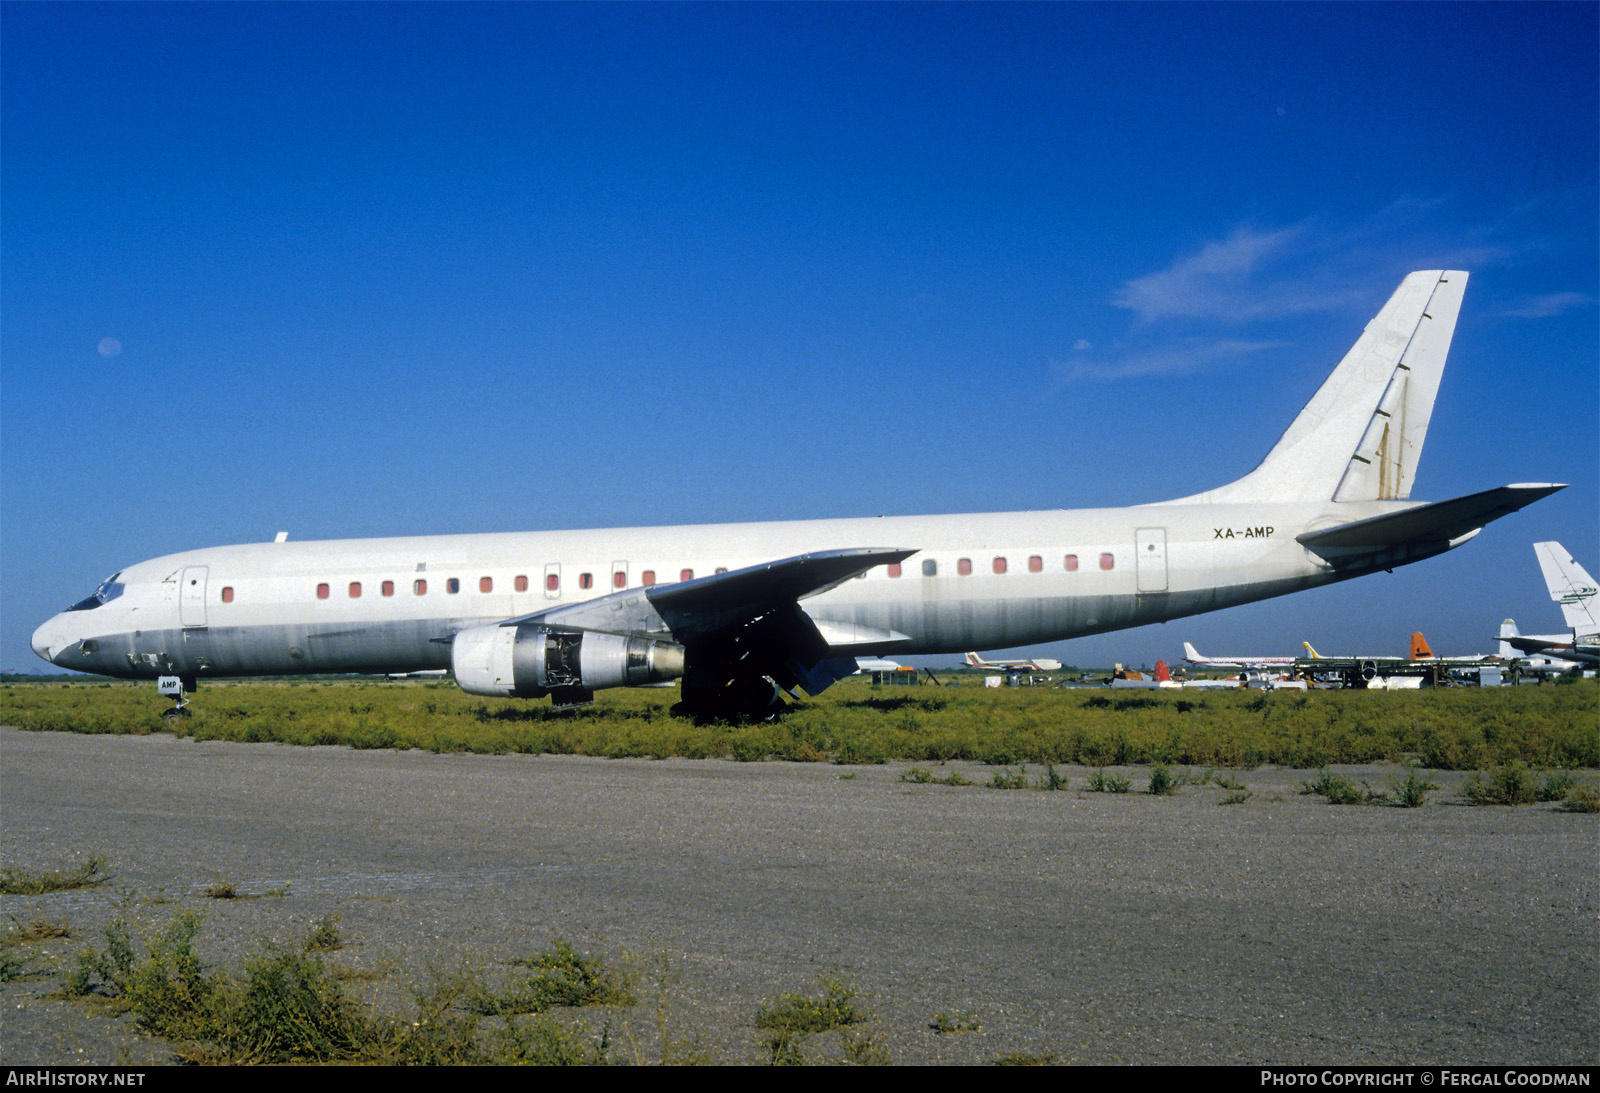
column 806, row 1014
column 1556, row 785
column 561, row 977
column 323, row 935
column 1101, row 782
column 1512, row 784
column 289, row 1006
column 1412, row 790
column 1009, row 779
column 960, row 1021
column 1338, row 789
column 89, row 873
column 1583, row 797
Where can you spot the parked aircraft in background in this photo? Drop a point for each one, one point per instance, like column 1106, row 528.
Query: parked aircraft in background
column 1420, row 664
column 1571, row 586
column 743, row 612
column 1193, row 656
column 1040, row 665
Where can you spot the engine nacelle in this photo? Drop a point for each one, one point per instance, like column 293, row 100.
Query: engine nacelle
column 530, row 661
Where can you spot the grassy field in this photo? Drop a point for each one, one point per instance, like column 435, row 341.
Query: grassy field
column 854, row 722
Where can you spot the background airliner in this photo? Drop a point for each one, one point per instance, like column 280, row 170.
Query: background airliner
column 743, row 612
column 1570, row 586
column 1192, row 655
column 1039, row 665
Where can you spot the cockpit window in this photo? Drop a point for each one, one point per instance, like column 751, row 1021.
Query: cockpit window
column 109, row 590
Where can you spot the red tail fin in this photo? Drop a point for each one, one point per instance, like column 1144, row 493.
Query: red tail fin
column 1419, row 647
column 1162, row 675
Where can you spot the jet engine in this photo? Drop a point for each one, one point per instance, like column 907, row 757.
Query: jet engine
column 530, row 661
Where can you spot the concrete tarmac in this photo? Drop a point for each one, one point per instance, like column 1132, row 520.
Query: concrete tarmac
column 1073, row 926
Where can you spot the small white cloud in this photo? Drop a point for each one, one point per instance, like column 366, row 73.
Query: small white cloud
column 1081, row 346
column 1219, row 283
column 110, row 347
column 1547, row 306
column 1172, row 361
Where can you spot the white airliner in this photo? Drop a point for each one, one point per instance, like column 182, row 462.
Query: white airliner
column 1192, row 655
column 1571, row 586
column 741, row 610
column 1037, row 665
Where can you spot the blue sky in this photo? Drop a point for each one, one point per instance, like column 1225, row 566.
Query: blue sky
column 384, row 269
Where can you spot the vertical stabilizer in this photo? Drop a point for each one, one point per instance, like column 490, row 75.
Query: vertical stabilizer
column 1508, row 629
column 1360, row 436
column 1570, row 585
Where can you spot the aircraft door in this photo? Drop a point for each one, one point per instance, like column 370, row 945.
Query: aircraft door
column 192, row 596
column 1151, row 552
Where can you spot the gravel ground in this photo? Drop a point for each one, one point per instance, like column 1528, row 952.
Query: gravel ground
column 1082, row 927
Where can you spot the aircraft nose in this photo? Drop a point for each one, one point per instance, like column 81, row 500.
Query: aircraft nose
column 47, row 641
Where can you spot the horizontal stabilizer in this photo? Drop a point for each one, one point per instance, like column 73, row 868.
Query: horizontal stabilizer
column 1424, row 526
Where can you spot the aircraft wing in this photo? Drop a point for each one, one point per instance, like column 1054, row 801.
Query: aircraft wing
column 1424, row 529
column 745, row 621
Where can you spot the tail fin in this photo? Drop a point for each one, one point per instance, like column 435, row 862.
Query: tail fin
column 1163, row 675
column 1310, row 652
column 1419, row 647
column 1360, row 436
column 1508, row 629
column 1192, row 655
column 1570, row 585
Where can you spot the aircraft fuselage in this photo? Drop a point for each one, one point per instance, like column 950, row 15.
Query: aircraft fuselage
column 975, row 582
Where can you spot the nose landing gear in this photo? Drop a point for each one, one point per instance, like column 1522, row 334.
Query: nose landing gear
column 177, row 687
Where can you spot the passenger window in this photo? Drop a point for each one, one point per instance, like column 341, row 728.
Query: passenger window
column 552, row 582
column 722, row 569
column 586, row 580
column 964, row 566
column 322, row 591
column 387, row 588
column 485, row 584
column 355, row 590
column 999, row 565
column 227, row 594
column 453, row 585
column 1072, row 563
column 930, row 568
column 521, row 583
column 619, row 579
column 1108, row 561
column 894, row 569
column 647, row 578
column 420, row 588
column 1035, row 564
column 686, row 575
